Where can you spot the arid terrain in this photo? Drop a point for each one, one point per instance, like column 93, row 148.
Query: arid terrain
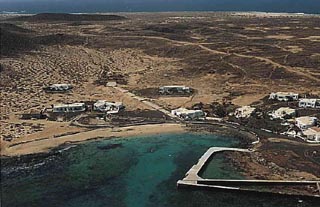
column 223, row 56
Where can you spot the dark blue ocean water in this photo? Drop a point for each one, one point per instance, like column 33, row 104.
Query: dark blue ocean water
column 137, row 172
column 37, row 6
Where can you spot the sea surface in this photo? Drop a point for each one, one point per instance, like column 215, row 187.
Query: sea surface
column 130, row 172
column 92, row 6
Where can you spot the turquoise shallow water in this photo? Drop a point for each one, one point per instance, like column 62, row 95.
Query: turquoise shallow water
column 137, row 172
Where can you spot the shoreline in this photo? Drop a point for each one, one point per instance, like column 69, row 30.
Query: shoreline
column 48, row 147
column 45, row 145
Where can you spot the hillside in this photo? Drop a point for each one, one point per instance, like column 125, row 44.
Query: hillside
column 15, row 40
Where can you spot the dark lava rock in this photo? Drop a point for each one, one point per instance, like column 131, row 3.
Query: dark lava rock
column 15, row 40
column 109, row 146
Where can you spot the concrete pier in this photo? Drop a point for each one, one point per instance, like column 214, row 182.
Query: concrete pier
column 256, row 182
column 193, row 179
column 192, row 175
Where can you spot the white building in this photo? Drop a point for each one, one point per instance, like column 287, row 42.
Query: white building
column 309, row 103
column 187, row 114
column 59, row 87
column 312, row 134
column 65, row 108
column 109, row 107
column 174, row 89
column 283, row 112
column 284, row 96
column 244, row 112
column 306, row 122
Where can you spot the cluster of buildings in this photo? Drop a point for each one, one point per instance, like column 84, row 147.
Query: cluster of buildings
column 100, row 106
column 305, row 127
column 303, row 102
column 182, row 113
column 114, row 107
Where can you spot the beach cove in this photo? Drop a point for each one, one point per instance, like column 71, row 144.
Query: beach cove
column 132, row 171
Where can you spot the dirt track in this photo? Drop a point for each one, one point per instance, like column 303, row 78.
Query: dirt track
column 295, row 70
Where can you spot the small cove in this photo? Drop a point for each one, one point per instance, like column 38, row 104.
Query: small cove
column 130, row 172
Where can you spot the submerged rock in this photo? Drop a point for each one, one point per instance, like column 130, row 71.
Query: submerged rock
column 109, row 146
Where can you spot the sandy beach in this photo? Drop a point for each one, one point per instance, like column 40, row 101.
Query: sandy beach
column 44, row 145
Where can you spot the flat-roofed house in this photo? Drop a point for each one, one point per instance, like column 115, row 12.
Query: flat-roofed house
column 244, row 112
column 306, row 122
column 284, row 96
column 309, row 103
column 67, row 108
column 109, row 107
column 58, row 88
column 168, row 90
column 187, row 114
column 283, row 112
column 312, row 134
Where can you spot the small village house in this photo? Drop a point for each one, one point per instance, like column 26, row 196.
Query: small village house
column 309, row 103
column 187, row 114
column 284, row 96
column 174, row 90
column 306, row 122
column 59, row 88
column 108, row 107
column 283, row 112
column 244, row 112
column 66, row 108
column 312, row 134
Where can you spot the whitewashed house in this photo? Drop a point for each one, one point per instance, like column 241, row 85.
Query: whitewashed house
column 284, row 96
column 187, row 114
column 174, row 90
column 59, row 88
column 244, row 112
column 309, row 103
column 108, row 107
column 312, row 134
column 283, row 112
column 306, row 122
column 66, row 108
